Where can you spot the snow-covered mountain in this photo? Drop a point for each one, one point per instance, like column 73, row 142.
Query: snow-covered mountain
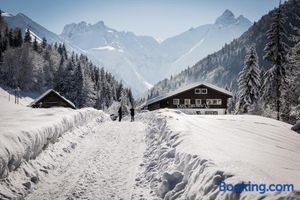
column 24, row 22
column 189, row 47
column 139, row 61
column 133, row 58
column 222, row 67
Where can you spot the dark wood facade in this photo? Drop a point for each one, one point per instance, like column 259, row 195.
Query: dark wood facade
column 186, row 99
column 52, row 99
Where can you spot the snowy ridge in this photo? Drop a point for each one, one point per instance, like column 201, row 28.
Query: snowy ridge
column 187, row 157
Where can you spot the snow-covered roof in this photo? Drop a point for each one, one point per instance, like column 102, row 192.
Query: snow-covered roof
column 46, row 93
column 185, row 88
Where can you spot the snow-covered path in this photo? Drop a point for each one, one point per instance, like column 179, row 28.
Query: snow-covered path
column 102, row 166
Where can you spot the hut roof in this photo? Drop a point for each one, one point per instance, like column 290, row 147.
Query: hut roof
column 37, row 100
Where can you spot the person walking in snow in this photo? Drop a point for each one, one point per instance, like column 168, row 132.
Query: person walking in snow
column 132, row 113
column 120, row 113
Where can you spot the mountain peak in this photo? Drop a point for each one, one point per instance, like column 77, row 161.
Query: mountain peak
column 228, row 13
column 226, row 18
column 243, row 20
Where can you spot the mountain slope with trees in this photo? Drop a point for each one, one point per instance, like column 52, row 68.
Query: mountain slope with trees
column 223, row 67
column 277, row 50
column 32, row 65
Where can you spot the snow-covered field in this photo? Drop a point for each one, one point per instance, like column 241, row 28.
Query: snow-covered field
column 187, row 156
column 61, row 153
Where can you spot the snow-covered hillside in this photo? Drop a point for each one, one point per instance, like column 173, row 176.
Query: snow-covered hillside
column 189, row 155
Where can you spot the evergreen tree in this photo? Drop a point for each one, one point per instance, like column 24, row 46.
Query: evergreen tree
column 275, row 52
column 79, row 96
column 64, row 51
column 1, row 60
column 123, row 99
column 35, row 44
column 69, row 81
column 59, row 49
column 11, row 38
column 18, row 37
column 2, row 24
column 291, row 95
column 59, row 77
column 119, row 90
column 232, row 102
column 26, row 71
column 48, row 71
column 27, row 37
column 1, row 48
column 130, row 98
column 249, row 83
column 44, row 43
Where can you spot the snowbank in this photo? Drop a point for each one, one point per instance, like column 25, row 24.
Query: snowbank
column 188, row 156
column 25, row 132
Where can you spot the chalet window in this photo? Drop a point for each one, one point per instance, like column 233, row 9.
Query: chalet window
column 198, row 101
column 212, row 112
column 176, row 101
column 214, row 101
column 200, row 91
column 187, row 102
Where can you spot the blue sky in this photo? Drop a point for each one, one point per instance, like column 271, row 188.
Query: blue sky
column 158, row 18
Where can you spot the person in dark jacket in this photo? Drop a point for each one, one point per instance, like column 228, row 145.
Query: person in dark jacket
column 132, row 114
column 120, row 113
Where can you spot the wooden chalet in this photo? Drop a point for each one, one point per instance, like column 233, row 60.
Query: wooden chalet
column 195, row 98
column 51, row 98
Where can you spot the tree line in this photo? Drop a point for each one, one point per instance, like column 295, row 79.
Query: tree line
column 275, row 92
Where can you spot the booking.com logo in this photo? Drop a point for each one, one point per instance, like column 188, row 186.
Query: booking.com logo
column 251, row 187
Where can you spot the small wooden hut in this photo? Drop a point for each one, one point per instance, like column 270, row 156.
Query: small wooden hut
column 51, row 98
